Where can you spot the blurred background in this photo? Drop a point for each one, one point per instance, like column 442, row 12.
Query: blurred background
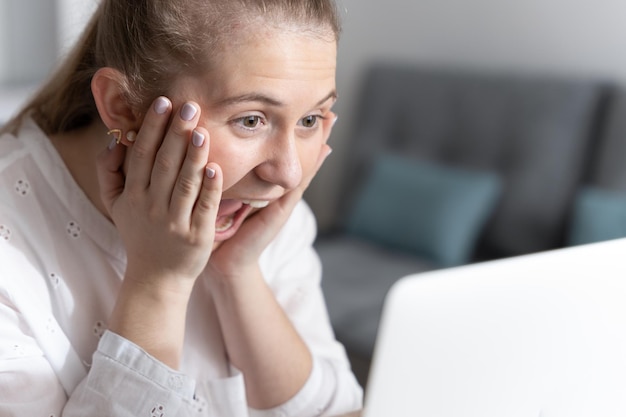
column 584, row 38
column 34, row 35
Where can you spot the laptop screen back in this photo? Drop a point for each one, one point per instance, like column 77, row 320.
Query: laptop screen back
column 537, row 335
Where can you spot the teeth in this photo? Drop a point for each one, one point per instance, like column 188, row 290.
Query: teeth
column 224, row 224
column 256, row 203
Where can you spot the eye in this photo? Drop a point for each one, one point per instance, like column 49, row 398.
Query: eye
column 250, row 122
column 310, row 121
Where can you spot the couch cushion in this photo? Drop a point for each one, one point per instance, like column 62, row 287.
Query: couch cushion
column 599, row 215
column 534, row 131
column 356, row 278
column 430, row 210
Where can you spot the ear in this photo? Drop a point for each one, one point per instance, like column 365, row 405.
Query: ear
column 108, row 89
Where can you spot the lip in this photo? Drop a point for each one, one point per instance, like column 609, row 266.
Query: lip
column 228, row 207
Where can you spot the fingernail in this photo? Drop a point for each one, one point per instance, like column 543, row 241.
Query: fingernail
column 335, row 120
column 161, row 105
column 210, row 172
column 131, row 135
column 112, row 144
column 197, row 138
column 188, row 112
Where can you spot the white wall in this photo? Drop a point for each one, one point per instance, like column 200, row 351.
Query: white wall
column 31, row 49
column 4, row 39
column 569, row 37
column 34, row 34
column 72, row 16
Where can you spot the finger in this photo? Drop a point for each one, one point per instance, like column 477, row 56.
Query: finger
column 171, row 154
column 208, row 202
column 190, row 178
column 146, row 144
column 111, row 179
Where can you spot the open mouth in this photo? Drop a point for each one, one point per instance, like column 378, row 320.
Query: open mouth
column 231, row 215
column 224, row 223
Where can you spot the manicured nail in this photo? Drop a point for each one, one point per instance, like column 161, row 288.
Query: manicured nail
column 161, row 105
column 188, row 112
column 210, row 172
column 112, row 144
column 335, row 120
column 197, row 138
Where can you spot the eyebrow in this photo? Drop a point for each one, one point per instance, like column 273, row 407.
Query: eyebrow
column 262, row 98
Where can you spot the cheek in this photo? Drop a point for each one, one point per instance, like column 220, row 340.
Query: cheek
column 309, row 153
column 236, row 161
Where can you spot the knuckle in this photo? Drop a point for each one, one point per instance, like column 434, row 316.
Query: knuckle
column 134, row 200
column 196, row 156
column 141, row 151
column 186, row 186
column 154, row 212
column 208, row 203
column 176, row 231
column 179, row 128
column 163, row 164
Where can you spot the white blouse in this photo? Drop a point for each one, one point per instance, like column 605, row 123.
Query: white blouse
column 61, row 265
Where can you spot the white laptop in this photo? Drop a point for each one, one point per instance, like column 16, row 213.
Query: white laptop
column 536, row 335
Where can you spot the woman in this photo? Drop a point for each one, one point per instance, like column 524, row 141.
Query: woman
column 176, row 275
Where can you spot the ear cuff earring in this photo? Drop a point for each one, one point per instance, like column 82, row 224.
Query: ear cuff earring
column 117, row 134
column 131, row 135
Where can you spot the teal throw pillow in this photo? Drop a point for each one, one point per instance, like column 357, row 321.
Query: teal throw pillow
column 431, row 210
column 599, row 215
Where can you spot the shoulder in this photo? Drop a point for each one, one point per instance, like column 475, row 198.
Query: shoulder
column 14, row 151
column 19, row 279
column 301, row 225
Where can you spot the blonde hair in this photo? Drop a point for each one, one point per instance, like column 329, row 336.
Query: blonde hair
column 152, row 41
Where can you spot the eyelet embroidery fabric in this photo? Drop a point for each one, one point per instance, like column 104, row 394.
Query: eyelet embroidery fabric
column 55, row 280
column 73, row 229
column 5, row 232
column 99, row 329
column 157, row 411
column 22, row 187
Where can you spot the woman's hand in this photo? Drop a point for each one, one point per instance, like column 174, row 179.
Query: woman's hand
column 165, row 209
column 166, row 205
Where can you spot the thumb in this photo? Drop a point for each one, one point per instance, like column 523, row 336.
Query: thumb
column 111, row 178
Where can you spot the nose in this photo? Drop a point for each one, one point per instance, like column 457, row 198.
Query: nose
column 281, row 165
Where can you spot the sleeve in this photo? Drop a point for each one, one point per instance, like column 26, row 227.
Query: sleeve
column 125, row 381
column 293, row 271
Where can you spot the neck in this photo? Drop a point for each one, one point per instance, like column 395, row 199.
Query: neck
column 79, row 150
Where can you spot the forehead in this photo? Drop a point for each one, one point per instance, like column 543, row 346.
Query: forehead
column 289, row 66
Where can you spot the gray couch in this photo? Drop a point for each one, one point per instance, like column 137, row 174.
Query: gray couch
column 450, row 167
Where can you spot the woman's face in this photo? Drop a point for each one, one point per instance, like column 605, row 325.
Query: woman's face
column 266, row 104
